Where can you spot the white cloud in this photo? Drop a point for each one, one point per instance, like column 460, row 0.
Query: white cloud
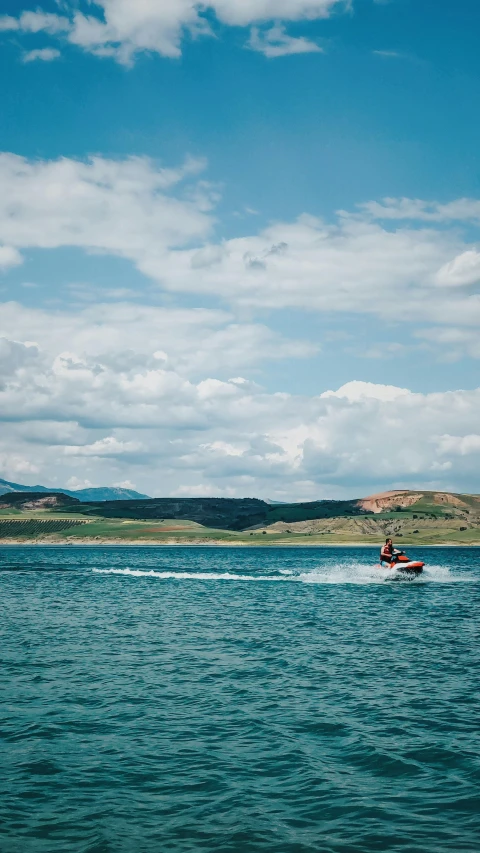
column 44, row 54
column 75, row 483
column 388, row 54
column 124, row 28
column 357, row 391
column 351, row 266
column 14, row 357
column 463, row 270
column 125, row 337
column 9, row 257
column 452, row 343
column 367, row 439
column 137, row 418
column 160, row 219
column 108, row 446
column 244, row 12
column 125, row 484
column 453, row 445
column 462, row 209
column 8, row 23
column 35, row 22
column 123, row 207
column 12, row 464
column 275, row 42
column 224, row 448
column 204, row 490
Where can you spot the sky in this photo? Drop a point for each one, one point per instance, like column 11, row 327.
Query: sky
column 240, row 246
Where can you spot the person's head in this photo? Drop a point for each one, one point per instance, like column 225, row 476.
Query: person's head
column 388, row 541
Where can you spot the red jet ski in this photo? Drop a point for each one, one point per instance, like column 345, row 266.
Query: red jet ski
column 402, row 563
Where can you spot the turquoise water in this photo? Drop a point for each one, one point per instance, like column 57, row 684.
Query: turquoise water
column 237, row 700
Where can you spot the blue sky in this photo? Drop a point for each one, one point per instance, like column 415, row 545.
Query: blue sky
column 301, row 212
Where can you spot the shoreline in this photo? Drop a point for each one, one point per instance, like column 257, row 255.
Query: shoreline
column 119, row 543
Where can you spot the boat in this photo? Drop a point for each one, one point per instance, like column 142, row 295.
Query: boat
column 404, row 564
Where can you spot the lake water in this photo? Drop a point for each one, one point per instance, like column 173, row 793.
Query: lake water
column 238, row 700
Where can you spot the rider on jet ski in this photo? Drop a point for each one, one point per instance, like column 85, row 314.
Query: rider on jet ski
column 389, row 554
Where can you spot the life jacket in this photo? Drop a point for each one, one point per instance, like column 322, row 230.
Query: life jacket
column 386, row 552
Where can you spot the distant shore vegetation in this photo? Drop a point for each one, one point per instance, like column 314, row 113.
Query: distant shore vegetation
column 409, row 517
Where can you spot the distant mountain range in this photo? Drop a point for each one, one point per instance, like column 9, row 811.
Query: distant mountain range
column 103, row 493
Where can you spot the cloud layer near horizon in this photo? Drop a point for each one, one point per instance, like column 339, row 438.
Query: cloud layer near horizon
column 101, row 413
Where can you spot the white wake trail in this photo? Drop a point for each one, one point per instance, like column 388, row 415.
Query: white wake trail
column 201, row 576
column 328, row 573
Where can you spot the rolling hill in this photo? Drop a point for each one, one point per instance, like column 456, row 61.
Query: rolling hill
column 408, row 516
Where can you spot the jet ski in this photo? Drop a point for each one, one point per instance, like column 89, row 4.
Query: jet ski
column 404, row 564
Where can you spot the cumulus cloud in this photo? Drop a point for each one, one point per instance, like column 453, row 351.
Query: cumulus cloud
column 122, row 207
column 14, row 356
column 44, row 54
column 98, row 412
column 108, row 446
column 125, row 484
column 462, row 270
column 122, row 28
column 35, row 22
column 8, row 23
column 462, row 445
column 9, row 257
column 163, row 395
column 352, row 265
column 161, row 220
column 365, row 439
column 12, row 464
column 275, row 42
column 174, row 435
column 123, row 337
column 75, row 483
column 356, row 391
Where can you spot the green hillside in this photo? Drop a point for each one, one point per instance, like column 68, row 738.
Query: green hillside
column 218, row 513
column 408, row 517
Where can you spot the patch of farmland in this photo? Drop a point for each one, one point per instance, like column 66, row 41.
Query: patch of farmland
column 36, row 526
